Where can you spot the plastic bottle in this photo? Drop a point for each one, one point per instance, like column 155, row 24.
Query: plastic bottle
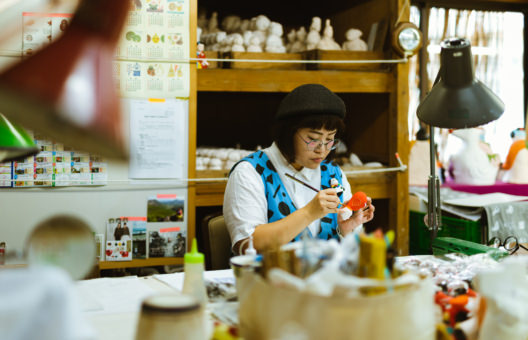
column 193, row 282
column 250, row 250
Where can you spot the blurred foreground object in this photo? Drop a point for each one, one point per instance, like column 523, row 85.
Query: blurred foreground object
column 15, row 142
column 66, row 90
column 40, row 303
column 506, row 291
column 63, row 241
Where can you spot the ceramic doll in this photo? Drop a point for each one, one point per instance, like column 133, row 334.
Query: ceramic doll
column 471, row 164
column 300, row 42
column 213, row 23
column 354, row 42
column 201, row 64
column 313, row 37
column 254, row 44
column 274, row 42
column 328, row 42
column 238, row 43
column 291, row 40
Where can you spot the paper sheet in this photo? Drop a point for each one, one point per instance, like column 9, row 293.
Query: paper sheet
column 175, row 280
column 485, row 199
column 158, row 138
column 112, row 295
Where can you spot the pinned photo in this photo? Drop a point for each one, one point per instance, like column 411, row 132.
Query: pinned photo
column 165, row 208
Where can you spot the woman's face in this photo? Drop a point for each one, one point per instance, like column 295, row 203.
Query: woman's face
column 312, row 146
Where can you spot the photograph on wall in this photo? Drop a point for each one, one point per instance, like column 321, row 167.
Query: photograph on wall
column 117, row 229
column 165, row 208
column 119, row 250
column 139, row 236
column 167, row 242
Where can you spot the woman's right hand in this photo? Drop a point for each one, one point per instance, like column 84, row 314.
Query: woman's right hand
column 325, row 202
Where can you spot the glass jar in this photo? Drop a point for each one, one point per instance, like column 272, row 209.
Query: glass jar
column 171, row 315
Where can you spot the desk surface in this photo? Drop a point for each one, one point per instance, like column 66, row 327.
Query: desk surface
column 112, row 305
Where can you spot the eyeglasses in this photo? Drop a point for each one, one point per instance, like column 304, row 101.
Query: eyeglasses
column 511, row 244
column 313, row 144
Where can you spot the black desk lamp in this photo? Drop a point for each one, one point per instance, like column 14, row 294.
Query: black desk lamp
column 457, row 101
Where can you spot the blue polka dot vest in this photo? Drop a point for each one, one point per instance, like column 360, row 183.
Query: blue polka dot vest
column 281, row 205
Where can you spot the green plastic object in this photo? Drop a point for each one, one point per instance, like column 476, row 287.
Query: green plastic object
column 420, row 236
column 446, row 245
column 194, row 256
column 15, row 142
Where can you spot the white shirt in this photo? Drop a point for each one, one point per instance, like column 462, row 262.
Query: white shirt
column 245, row 204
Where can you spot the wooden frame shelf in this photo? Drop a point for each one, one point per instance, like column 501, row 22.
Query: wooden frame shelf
column 235, row 101
column 376, row 185
column 237, row 80
column 150, row 262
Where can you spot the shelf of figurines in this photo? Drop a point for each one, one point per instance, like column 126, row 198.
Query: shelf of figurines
column 276, row 58
column 214, row 164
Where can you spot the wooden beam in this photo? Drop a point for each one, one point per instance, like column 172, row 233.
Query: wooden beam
column 239, row 80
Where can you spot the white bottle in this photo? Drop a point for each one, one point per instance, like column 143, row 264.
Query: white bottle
column 250, row 250
column 193, row 283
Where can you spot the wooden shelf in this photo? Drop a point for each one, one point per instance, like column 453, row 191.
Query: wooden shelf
column 237, row 80
column 376, row 185
column 151, row 262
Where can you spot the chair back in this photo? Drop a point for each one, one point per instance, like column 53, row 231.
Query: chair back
column 218, row 242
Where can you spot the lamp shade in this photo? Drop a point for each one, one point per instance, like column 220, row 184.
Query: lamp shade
column 66, row 90
column 458, row 100
column 15, row 142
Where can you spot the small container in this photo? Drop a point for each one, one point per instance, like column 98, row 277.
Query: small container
column 242, row 265
column 165, row 316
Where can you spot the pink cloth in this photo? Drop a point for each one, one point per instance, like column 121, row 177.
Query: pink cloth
column 507, row 188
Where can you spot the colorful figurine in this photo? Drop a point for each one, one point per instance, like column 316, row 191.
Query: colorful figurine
column 201, row 64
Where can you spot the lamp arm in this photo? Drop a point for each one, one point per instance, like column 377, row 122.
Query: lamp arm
column 433, row 202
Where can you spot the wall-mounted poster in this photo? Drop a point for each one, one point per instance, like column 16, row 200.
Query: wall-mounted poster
column 167, row 226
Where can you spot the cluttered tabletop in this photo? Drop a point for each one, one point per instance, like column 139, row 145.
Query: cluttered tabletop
column 318, row 288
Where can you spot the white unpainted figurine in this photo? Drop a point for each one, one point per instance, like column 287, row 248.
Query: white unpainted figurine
column 215, row 164
column 253, row 24
column 419, row 167
column 274, row 45
column 354, row 41
column 274, row 42
column 327, row 42
column 291, row 40
column 313, row 37
column 247, row 37
column 244, row 26
column 471, row 165
column 254, row 44
column 231, row 23
column 202, row 22
column 227, row 43
column 238, row 43
column 212, row 26
column 300, row 42
column 219, row 41
column 262, row 24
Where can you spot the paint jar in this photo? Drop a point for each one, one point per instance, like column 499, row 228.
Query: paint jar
column 171, row 315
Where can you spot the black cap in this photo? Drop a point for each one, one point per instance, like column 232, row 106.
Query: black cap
column 311, row 99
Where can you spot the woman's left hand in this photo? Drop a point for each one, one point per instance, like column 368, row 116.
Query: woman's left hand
column 359, row 217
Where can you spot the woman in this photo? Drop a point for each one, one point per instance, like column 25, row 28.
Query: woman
column 260, row 200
